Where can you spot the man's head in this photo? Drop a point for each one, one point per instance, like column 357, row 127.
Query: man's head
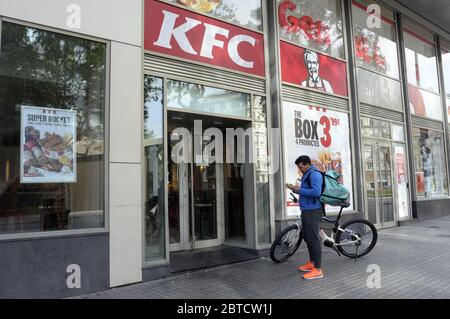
column 303, row 163
column 312, row 64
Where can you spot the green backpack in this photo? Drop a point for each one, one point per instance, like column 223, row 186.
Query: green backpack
column 333, row 193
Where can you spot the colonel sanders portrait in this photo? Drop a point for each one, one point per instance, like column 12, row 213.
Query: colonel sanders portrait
column 314, row 80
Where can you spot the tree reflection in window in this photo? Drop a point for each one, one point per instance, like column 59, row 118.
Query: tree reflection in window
column 153, row 107
column 197, row 97
column 51, row 70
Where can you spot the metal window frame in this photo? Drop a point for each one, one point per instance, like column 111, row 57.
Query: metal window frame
column 106, row 158
column 409, row 117
column 280, row 98
column 445, row 137
column 356, row 66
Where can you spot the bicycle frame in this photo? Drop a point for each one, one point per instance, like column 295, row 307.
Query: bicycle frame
column 335, row 229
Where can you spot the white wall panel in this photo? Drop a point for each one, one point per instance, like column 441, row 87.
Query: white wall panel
column 117, row 20
column 126, row 103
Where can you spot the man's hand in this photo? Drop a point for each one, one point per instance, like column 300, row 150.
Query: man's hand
column 292, row 187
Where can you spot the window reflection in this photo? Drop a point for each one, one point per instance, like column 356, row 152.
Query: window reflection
column 375, row 128
column 445, row 52
column 316, row 24
column 376, row 48
column 197, row 97
column 421, row 64
column 246, row 13
column 429, row 162
column 50, row 70
column 154, row 169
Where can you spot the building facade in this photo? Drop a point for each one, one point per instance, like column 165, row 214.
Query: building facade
column 148, row 137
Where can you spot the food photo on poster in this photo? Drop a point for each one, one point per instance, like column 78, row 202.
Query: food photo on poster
column 48, row 145
column 324, row 136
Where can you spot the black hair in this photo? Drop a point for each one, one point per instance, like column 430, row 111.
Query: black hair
column 304, row 159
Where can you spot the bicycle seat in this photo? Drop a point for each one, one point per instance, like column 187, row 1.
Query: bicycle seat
column 345, row 205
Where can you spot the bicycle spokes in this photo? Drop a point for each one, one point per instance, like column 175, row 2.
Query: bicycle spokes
column 356, row 238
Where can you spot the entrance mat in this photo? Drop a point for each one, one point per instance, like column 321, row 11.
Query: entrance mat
column 209, row 257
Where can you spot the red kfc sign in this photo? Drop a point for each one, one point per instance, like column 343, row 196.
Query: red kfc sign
column 313, row 70
column 184, row 34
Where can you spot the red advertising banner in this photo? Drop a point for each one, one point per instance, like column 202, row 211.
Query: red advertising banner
column 184, row 34
column 310, row 69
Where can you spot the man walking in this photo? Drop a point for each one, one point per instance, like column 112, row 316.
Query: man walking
column 312, row 211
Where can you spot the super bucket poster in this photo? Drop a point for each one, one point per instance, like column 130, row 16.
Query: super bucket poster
column 324, row 136
column 48, row 152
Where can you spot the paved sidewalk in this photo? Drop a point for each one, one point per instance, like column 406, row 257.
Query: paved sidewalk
column 414, row 262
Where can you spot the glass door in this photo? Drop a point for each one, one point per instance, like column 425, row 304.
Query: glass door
column 179, row 205
column 204, row 200
column 401, row 181
column 380, row 205
column 385, row 188
column 194, row 204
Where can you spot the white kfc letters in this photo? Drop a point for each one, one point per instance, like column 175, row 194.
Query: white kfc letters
column 169, row 31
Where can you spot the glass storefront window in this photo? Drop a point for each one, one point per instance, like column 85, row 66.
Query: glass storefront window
column 44, row 75
column 197, row 97
column 424, row 103
column 421, row 69
column 376, row 48
column 375, row 128
column 155, row 242
column 445, row 52
column 430, row 163
column 316, row 24
column 398, row 133
column 421, row 65
column 262, row 176
column 379, row 90
column 245, row 13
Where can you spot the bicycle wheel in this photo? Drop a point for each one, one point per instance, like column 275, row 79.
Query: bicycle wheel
column 357, row 239
column 286, row 244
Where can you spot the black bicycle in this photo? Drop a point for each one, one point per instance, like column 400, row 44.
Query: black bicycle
column 354, row 239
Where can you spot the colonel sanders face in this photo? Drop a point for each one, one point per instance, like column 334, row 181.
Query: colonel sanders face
column 312, row 64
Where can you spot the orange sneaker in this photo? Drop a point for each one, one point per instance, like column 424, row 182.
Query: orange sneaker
column 306, row 267
column 313, row 274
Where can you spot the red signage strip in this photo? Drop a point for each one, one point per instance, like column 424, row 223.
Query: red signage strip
column 184, row 34
column 418, row 37
column 310, row 69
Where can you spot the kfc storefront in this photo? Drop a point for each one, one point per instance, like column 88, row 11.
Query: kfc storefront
column 313, row 105
column 205, row 103
column 343, row 99
column 178, row 130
